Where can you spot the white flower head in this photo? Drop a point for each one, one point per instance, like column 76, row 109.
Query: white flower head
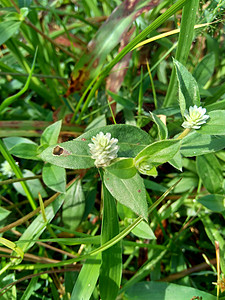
column 195, row 118
column 6, row 169
column 104, row 149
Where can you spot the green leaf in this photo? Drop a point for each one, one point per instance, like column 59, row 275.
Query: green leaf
column 176, row 161
column 142, row 230
column 75, row 154
column 185, row 40
column 156, row 154
column 87, row 279
column 111, row 268
column 122, row 168
column 188, row 88
column 129, row 192
column 205, row 69
column 30, row 289
column 34, row 186
column 124, row 102
column 51, row 133
column 54, row 177
column 210, row 172
column 7, row 29
column 215, row 125
column 214, row 202
column 10, row 142
column 74, row 206
column 162, row 129
column 25, row 150
column 164, row 291
column 96, row 123
column 195, row 144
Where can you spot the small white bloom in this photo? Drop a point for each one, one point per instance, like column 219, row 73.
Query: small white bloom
column 195, row 118
column 6, row 169
column 103, row 149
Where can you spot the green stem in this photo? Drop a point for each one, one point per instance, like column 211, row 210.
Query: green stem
column 184, row 133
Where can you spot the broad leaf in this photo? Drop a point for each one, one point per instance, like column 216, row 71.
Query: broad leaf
column 34, row 186
column 74, row 206
column 25, row 150
column 10, row 142
column 215, row 125
column 142, row 230
column 76, row 154
column 129, row 192
column 210, row 172
column 51, row 134
column 22, row 147
column 205, row 69
column 188, row 88
column 164, row 291
column 54, row 177
column 195, row 144
column 123, row 168
column 156, row 154
column 214, row 202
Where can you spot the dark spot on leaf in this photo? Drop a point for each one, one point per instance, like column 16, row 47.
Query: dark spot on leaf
column 138, row 143
column 107, row 178
column 83, row 139
column 139, row 191
column 59, row 151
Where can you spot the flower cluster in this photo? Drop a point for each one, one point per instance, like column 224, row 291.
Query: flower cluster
column 6, row 169
column 104, row 149
column 195, row 118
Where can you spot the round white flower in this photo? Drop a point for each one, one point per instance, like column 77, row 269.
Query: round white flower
column 6, row 169
column 195, row 118
column 104, row 149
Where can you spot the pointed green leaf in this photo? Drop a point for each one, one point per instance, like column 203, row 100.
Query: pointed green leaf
column 130, row 192
column 25, row 150
column 210, row 172
column 156, row 154
column 74, row 206
column 205, row 144
column 162, row 129
column 51, row 134
column 188, row 88
column 111, row 268
column 214, row 202
column 205, row 69
column 54, row 177
column 34, row 186
column 142, row 230
column 87, row 279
